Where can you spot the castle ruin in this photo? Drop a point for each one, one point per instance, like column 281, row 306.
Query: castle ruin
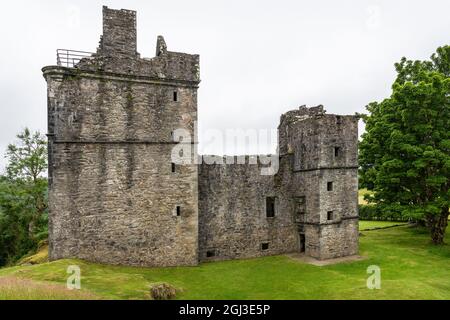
column 116, row 197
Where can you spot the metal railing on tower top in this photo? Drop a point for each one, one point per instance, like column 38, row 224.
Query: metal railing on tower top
column 70, row 58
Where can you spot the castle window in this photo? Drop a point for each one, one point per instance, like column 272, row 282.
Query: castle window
column 178, row 211
column 210, row 253
column 330, row 215
column 330, row 186
column 300, row 218
column 173, row 167
column 337, row 151
column 265, row 246
column 270, row 207
column 175, row 96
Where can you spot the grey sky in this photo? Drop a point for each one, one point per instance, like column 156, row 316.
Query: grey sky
column 258, row 58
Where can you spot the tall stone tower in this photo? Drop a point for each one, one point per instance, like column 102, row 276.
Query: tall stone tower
column 115, row 196
column 321, row 151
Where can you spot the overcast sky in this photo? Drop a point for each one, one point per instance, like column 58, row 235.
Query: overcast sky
column 258, row 58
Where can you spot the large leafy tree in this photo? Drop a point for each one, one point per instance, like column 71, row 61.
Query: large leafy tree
column 405, row 151
column 27, row 162
column 23, row 197
column 27, row 159
column 16, row 207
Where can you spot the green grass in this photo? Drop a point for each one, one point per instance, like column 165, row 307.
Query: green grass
column 371, row 225
column 40, row 256
column 411, row 268
column 13, row 288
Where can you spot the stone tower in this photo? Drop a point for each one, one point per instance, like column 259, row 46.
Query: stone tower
column 115, row 196
column 321, row 151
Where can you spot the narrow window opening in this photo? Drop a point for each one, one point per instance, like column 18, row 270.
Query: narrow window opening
column 330, row 186
column 270, row 207
column 330, row 215
column 175, row 96
column 264, row 246
column 301, row 200
column 173, row 167
column 210, row 253
column 178, row 211
column 337, row 151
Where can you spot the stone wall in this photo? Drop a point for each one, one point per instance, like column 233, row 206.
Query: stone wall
column 114, row 203
column 112, row 192
column 323, row 151
column 339, row 239
column 232, row 213
column 113, row 197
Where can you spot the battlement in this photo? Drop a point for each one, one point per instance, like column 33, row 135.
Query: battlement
column 317, row 139
column 117, row 56
column 317, row 112
column 119, row 33
column 301, row 113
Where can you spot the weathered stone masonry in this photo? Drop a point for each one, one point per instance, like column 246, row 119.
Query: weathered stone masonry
column 316, row 149
column 113, row 195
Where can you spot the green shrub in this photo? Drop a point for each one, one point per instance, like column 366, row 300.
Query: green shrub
column 377, row 212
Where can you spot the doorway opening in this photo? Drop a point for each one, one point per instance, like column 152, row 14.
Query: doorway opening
column 302, row 242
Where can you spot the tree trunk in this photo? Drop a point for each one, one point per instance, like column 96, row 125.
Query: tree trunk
column 421, row 222
column 31, row 227
column 438, row 225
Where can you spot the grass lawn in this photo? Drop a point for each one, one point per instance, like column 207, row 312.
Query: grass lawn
column 26, row 289
column 411, row 268
column 371, row 225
